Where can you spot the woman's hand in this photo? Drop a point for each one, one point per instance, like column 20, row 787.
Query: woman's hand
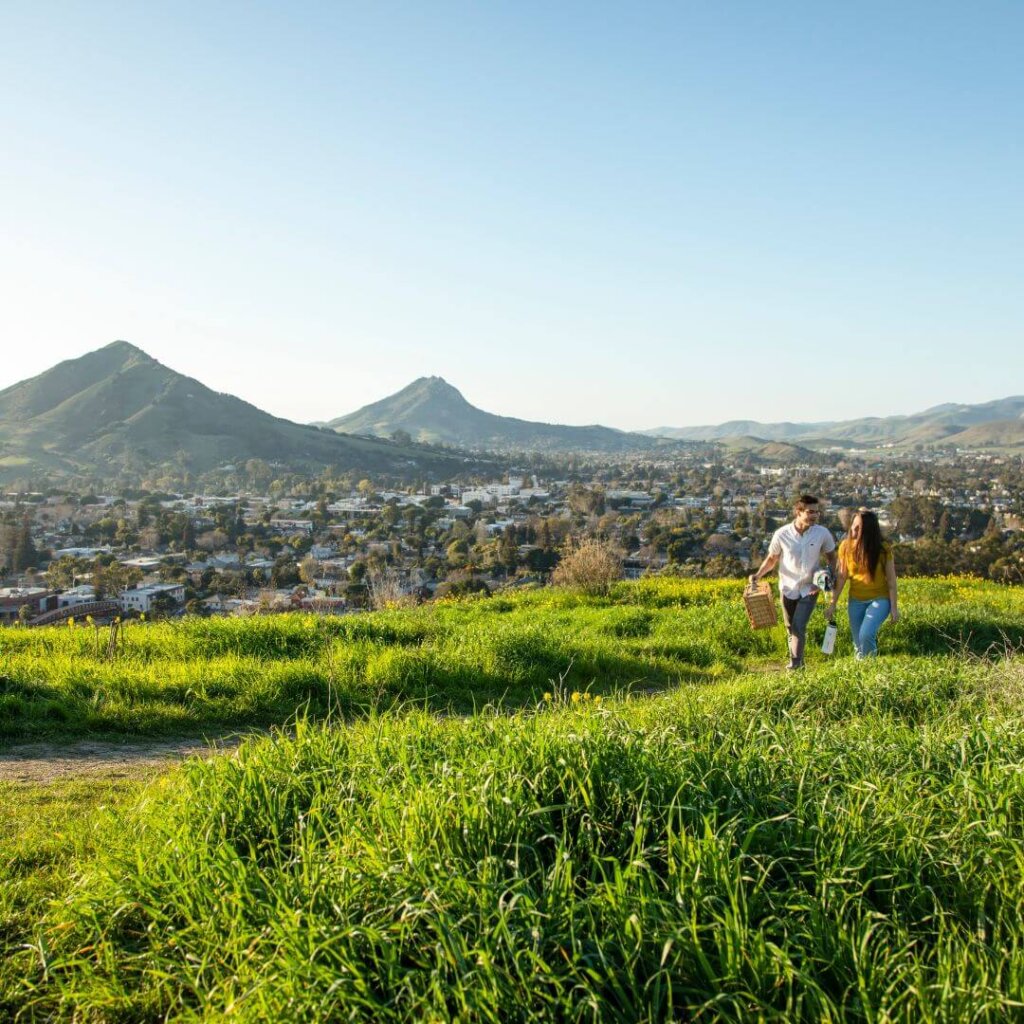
column 830, row 611
column 895, row 615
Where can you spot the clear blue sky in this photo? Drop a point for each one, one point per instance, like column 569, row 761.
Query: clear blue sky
column 634, row 214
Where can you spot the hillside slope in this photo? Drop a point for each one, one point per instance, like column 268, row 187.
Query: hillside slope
column 119, row 409
column 431, row 410
column 841, row 844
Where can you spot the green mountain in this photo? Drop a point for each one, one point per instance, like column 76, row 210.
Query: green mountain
column 1000, row 422
column 431, row 410
column 119, row 410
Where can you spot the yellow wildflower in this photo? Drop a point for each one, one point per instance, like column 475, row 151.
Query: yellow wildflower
column 71, row 621
column 576, row 697
column 548, row 697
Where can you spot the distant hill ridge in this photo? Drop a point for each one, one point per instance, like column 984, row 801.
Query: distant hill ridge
column 118, row 408
column 999, row 422
column 432, row 410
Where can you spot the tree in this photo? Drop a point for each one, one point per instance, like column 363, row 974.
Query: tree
column 162, row 605
column 124, row 534
column 110, row 579
column 285, row 573
column 586, row 501
column 309, row 570
column 508, row 549
column 24, row 554
column 61, row 574
column 259, row 473
column 457, row 552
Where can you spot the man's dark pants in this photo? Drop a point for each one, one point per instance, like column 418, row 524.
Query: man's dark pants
column 796, row 613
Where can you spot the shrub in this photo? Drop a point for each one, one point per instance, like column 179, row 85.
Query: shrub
column 591, row 566
column 386, row 590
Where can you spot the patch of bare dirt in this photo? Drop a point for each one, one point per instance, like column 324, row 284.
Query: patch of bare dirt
column 52, row 762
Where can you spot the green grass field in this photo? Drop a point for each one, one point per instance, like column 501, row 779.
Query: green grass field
column 207, row 675
column 841, row 844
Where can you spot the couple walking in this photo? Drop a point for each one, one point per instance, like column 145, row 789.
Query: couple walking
column 864, row 559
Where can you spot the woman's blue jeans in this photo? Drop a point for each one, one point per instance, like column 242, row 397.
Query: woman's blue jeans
column 865, row 619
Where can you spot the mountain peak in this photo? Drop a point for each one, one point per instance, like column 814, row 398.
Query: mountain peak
column 126, row 352
column 434, row 385
column 432, row 410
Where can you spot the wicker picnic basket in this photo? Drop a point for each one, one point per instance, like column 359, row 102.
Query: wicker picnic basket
column 760, row 606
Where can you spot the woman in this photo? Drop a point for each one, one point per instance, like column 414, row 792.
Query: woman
column 866, row 561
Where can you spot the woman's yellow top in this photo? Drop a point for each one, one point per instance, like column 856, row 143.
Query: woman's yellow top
column 862, row 586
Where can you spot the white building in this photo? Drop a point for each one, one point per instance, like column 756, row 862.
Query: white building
column 140, row 599
column 85, row 593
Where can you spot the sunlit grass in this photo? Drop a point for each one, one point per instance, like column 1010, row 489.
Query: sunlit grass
column 845, row 844
column 199, row 674
column 42, row 831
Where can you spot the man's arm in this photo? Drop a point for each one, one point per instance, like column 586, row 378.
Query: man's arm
column 769, row 563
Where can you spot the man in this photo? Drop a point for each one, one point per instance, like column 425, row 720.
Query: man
column 797, row 549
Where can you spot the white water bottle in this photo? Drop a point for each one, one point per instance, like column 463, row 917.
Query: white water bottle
column 829, row 642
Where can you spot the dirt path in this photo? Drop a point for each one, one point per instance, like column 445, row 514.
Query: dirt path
column 51, row 762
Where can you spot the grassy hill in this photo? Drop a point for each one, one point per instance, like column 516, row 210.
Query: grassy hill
column 998, row 434
column 431, row 410
column 841, row 844
column 768, row 451
column 117, row 408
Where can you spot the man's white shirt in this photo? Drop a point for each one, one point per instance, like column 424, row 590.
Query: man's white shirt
column 799, row 557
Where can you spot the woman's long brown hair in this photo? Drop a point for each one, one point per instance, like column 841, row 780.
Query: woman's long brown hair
column 866, row 548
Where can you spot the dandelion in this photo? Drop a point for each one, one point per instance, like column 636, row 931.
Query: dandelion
column 71, row 622
column 548, row 697
column 576, row 697
column 597, row 701
column 142, row 616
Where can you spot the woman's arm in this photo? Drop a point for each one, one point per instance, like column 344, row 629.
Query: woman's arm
column 837, row 589
column 890, row 579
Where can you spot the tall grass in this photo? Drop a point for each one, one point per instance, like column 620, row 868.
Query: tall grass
column 198, row 674
column 845, row 846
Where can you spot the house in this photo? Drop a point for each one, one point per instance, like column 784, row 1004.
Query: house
column 292, row 525
column 85, row 593
column 141, row 599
